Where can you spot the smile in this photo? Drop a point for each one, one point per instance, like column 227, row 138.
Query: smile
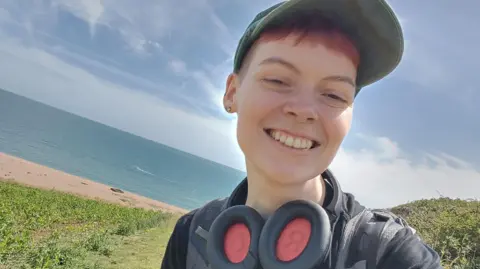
column 299, row 143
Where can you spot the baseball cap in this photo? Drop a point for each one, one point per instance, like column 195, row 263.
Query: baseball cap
column 370, row 24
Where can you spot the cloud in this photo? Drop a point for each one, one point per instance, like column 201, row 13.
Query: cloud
column 90, row 11
column 148, row 25
column 143, row 25
column 382, row 175
column 215, row 92
column 178, row 66
column 161, row 85
column 150, row 21
column 210, row 82
column 440, row 52
column 5, row 15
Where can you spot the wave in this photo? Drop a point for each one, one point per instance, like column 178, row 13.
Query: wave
column 143, row 171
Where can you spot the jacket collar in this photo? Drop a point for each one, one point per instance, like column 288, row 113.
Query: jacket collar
column 334, row 206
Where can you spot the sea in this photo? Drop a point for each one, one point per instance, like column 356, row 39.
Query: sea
column 82, row 147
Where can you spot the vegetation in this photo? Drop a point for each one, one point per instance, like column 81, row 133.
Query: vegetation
column 451, row 227
column 47, row 229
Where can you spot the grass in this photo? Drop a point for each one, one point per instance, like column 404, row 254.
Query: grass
column 450, row 226
column 142, row 251
column 47, row 229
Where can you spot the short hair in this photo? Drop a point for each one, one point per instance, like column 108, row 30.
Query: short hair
column 313, row 28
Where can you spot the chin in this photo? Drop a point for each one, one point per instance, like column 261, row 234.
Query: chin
column 293, row 176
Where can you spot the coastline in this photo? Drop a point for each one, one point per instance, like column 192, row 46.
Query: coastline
column 35, row 175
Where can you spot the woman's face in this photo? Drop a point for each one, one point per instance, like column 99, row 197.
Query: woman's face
column 294, row 106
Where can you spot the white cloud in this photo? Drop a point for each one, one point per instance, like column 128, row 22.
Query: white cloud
column 440, row 51
column 148, row 22
column 210, row 81
column 422, row 66
column 178, row 66
column 385, row 176
column 145, row 24
column 142, row 24
column 5, row 15
column 208, row 84
column 88, row 10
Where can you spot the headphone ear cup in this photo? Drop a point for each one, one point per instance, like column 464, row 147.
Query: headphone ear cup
column 296, row 236
column 233, row 239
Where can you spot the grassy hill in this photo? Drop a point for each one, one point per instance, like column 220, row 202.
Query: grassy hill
column 48, row 229
column 451, row 227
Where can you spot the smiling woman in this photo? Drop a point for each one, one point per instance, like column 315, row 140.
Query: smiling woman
column 294, row 84
column 272, row 96
column 296, row 74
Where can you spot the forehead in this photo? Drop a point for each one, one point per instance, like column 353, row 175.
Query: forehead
column 312, row 54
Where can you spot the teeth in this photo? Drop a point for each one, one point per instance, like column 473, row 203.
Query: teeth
column 293, row 142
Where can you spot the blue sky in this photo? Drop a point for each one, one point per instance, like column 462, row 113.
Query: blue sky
column 158, row 69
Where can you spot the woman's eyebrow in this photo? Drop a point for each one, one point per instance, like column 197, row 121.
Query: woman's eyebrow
column 340, row 78
column 278, row 60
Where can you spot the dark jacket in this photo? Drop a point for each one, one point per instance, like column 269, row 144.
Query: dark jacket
column 405, row 250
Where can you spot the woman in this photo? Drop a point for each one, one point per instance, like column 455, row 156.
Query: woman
column 297, row 71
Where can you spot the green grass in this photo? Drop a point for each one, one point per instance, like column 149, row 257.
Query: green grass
column 451, row 227
column 49, row 229
column 142, row 251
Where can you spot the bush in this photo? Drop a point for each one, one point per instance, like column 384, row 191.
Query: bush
column 450, row 226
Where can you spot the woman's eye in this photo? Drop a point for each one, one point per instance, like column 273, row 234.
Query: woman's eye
column 275, row 81
column 335, row 97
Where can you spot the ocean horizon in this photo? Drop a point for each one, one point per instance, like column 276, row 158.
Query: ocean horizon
column 70, row 143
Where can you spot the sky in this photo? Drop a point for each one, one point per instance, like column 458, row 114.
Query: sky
column 157, row 69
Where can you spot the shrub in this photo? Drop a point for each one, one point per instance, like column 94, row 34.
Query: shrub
column 450, row 226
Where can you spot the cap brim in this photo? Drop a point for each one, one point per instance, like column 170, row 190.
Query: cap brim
column 370, row 24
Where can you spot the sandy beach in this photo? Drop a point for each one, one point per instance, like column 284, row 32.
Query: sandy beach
column 35, row 175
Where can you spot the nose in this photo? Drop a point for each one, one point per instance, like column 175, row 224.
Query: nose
column 303, row 109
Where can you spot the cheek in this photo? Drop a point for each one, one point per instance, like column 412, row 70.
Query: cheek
column 248, row 130
column 248, row 114
column 254, row 104
column 338, row 127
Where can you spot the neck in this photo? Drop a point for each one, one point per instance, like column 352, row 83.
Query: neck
column 266, row 195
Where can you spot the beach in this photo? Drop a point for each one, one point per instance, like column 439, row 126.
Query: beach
column 39, row 176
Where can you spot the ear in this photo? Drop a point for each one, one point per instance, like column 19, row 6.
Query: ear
column 230, row 97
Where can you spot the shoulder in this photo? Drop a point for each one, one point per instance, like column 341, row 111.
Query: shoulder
column 182, row 228
column 407, row 250
column 177, row 246
column 185, row 220
column 181, row 233
column 208, row 211
column 400, row 245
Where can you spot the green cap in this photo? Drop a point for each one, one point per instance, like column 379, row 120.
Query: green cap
column 370, row 24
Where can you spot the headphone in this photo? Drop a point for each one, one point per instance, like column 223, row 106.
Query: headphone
column 296, row 236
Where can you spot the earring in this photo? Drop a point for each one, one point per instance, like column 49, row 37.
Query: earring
column 229, row 109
